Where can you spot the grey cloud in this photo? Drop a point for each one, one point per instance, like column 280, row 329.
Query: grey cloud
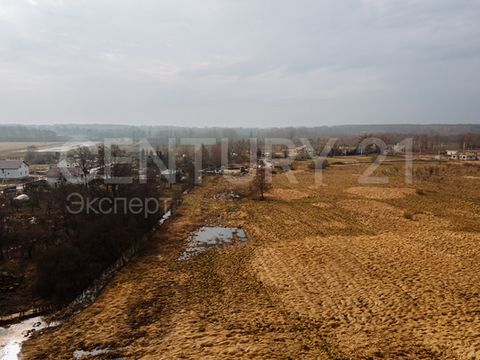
column 221, row 62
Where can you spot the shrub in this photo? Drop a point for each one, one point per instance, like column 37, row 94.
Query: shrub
column 319, row 164
column 261, row 183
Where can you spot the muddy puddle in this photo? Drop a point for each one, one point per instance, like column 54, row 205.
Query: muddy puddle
column 78, row 354
column 210, row 236
column 12, row 336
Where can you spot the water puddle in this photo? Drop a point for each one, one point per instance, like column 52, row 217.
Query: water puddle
column 12, row 336
column 78, row 354
column 207, row 237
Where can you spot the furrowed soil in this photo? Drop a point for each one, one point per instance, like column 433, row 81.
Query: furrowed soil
column 342, row 270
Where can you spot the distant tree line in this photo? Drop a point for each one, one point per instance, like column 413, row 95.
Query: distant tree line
column 26, row 133
column 161, row 134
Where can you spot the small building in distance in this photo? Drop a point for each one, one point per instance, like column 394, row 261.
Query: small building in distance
column 468, row 156
column 73, row 175
column 13, row 169
column 452, row 154
column 464, row 156
column 399, row 148
column 299, row 153
column 233, row 170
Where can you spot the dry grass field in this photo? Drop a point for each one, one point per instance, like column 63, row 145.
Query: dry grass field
column 17, row 147
column 339, row 271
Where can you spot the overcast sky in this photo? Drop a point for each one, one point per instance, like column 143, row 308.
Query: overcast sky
column 239, row 63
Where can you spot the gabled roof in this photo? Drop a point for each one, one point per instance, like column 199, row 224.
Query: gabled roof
column 11, row 164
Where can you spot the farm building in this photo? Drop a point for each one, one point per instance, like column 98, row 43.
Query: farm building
column 13, row 169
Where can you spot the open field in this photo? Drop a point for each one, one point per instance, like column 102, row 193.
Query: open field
column 332, row 271
column 13, row 147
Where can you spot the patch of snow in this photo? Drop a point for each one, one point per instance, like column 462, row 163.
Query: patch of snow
column 78, row 354
column 12, row 336
column 165, row 217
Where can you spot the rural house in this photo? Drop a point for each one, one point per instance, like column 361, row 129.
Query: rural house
column 13, row 169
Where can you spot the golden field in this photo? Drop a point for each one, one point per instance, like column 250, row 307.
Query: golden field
column 342, row 270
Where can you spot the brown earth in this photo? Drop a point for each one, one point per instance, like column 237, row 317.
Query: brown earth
column 333, row 273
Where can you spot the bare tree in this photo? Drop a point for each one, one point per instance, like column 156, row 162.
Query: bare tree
column 261, row 182
column 31, row 154
column 82, row 157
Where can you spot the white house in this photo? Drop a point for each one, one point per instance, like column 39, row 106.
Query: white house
column 13, row 169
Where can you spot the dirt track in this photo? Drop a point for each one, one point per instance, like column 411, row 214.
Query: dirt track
column 337, row 271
